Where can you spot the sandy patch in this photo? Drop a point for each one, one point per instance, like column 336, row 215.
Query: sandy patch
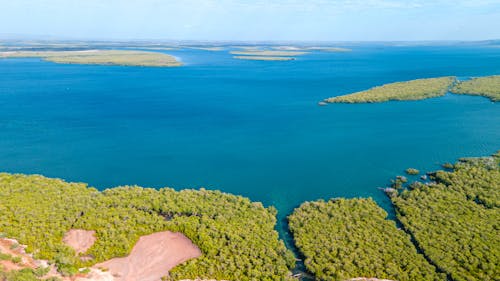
column 152, row 257
column 80, row 240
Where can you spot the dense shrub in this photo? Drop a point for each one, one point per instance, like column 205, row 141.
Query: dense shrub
column 348, row 238
column 455, row 220
column 236, row 236
column 408, row 90
column 488, row 86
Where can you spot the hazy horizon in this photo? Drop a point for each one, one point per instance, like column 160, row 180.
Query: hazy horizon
column 277, row 21
column 48, row 38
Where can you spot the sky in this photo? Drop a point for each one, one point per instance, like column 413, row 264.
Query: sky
column 252, row 20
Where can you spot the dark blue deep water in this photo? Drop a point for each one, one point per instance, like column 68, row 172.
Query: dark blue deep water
column 246, row 127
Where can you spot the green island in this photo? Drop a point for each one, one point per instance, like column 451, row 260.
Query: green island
column 101, row 57
column 455, row 218
column 418, row 89
column 349, row 238
column 488, row 86
column 236, row 236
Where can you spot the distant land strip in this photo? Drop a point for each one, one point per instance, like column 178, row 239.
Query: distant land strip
column 264, row 58
column 268, row 53
column 100, row 57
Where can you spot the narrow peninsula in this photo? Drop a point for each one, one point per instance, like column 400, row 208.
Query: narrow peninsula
column 488, row 86
column 418, row 89
column 100, row 57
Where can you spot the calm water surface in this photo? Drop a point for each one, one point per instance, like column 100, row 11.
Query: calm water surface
column 245, row 127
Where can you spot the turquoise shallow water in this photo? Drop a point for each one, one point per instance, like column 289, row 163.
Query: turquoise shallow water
column 245, row 127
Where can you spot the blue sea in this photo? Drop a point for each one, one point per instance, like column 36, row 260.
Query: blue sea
column 252, row 128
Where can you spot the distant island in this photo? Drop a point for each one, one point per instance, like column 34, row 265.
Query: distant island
column 101, row 57
column 264, row 58
column 266, row 55
column 302, row 48
column 450, row 232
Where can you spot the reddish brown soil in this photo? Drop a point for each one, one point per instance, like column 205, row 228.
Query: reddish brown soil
column 152, row 257
column 80, row 240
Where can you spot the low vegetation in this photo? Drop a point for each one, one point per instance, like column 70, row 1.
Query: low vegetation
column 454, row 220
column 236, row 236
column 409, row 90
column 25, row 274
column 349, row 238
column 102, row 57
column 488, row 86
